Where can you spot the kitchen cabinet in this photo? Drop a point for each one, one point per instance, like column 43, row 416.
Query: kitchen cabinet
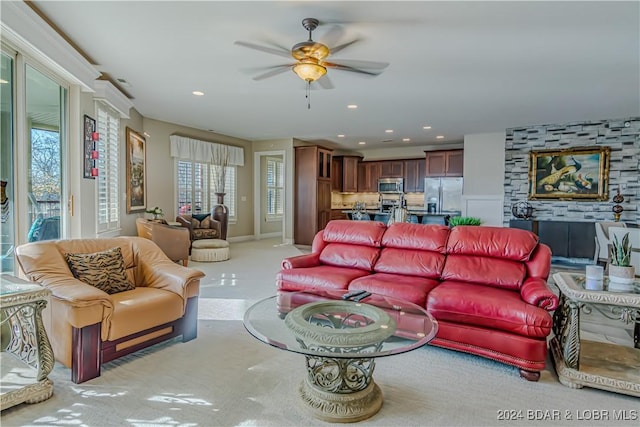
column 444, row 163
column 414, row 174
column 391, row 169
column 345, row 174
column 312, row 192
column 368, row 174
column 338, row 214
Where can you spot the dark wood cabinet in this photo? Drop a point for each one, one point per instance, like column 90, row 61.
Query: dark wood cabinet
column 345, row 174
column 336, row 174
column 312, row 198
column 338, row 214
column 368, row 174
column 391, row 169
column 414, row 174
column 444, row 163
column 567, row 239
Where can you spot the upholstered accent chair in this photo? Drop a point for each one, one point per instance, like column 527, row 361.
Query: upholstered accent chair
column 89, row 326
column 174, row 241
column 201, row 226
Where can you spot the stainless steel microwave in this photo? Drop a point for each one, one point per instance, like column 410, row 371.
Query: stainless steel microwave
column 391, row 185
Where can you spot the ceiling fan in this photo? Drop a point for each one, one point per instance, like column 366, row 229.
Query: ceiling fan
column 311, row 59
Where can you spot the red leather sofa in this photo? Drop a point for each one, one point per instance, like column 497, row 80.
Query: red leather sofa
column 486, row 286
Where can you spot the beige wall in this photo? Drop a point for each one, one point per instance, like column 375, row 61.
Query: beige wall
column 161, row 172
column 484, row 164
column 403, row 152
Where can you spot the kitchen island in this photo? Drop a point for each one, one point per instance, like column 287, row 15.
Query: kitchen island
column 419, row 216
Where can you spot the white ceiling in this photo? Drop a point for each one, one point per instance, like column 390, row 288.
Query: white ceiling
column 459, row 67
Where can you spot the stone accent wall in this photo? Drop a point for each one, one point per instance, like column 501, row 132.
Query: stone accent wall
column 622, row 135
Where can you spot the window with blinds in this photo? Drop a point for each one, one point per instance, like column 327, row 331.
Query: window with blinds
column 275, row 188
column 108, row 126
column 196, row 189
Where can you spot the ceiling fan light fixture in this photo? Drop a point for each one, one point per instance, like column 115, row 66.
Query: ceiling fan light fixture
column 308, row 70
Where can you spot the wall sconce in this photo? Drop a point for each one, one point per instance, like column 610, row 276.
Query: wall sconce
column 617, row 208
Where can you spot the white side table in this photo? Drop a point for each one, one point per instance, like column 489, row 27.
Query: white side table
column 27, row 357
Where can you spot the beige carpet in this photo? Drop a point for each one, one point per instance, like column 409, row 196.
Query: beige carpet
column 228, row 378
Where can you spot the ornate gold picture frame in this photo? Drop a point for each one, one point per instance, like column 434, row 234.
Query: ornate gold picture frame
column 136, row 172
column 569, row 174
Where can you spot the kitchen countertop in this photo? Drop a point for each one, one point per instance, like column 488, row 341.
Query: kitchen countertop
column 411, row 211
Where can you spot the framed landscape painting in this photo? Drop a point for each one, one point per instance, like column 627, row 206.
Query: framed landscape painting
column 136, row 172
column 569, row 174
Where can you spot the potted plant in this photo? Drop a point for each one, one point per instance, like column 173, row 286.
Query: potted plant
column 620, row 269
column 156, row 212
column 463, row 220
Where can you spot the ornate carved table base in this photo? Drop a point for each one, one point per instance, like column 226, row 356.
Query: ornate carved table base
column 27, row 358
column 583, row 363
column 340, row 390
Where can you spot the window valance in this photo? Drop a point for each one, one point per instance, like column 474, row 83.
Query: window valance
column 206, row 152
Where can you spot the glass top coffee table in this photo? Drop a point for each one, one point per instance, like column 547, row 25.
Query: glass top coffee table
column 340, row 340
column 593, row 364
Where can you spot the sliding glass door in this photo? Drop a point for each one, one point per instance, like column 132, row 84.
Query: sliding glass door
column 33, row 141
column 45, row 152
column 7, row 201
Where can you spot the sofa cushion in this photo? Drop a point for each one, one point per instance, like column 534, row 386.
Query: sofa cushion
column 104, row 270
column 321, row 277
column 352, row 256
column 495, row 242
column 200, row 217
column 143, row 308
column 404, row 235
column 487, row 307
column 410, row 262
column 408, row 288
column 364, row 233
column 499, row 273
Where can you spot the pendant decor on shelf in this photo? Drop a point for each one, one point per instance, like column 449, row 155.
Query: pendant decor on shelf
column 522, row 210
column 617, row 208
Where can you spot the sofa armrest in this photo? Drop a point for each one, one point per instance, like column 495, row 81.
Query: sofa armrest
column 301, row 261
column 536, row 292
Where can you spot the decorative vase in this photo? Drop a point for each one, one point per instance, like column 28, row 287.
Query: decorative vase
column 221, row 213
column 621, row 275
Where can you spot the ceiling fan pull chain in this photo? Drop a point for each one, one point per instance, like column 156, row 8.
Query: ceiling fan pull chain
column 308, row 95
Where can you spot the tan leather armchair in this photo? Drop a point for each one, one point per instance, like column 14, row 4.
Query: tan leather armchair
column 87, row 326
column 174, row 241
column 206, row 228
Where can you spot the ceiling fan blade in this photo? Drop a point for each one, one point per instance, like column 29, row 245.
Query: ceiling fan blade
column 337, row 49
column 351, row 69
column 333, row 36
column 274, row 72
column 324, row 82
column 373, row 65
column 280, row 52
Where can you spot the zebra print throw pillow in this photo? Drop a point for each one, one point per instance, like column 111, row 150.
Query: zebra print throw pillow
column 104, row 270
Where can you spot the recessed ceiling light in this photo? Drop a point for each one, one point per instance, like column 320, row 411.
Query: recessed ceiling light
column 146, row 134
column 197, row 93
column 352, row 106
column 406, row 139
column 362, row 143
column 341, row 136
column 389, row 131
column 426, row 127
column 440, row 137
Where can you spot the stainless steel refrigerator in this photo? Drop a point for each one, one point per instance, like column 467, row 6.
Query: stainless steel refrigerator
column 443, row 196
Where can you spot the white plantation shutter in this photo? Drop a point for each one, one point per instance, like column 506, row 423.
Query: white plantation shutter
column 196, row 188
column 108, row 126
column 275, row 187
